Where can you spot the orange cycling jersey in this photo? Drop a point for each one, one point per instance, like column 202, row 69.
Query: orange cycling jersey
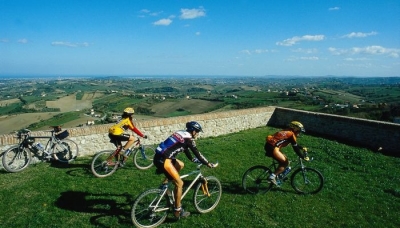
column 282, row 138
column 122, row 125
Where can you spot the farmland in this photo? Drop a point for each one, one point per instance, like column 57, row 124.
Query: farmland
column 72, row 102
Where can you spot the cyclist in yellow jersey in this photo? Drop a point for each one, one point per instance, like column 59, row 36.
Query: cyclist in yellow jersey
column 117, row 134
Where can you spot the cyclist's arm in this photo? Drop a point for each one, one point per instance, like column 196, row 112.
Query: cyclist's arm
column 297, row 148
column 196, row 152
column 134, row 129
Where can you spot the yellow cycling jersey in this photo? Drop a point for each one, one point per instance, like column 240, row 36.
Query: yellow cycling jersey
column 121, row 126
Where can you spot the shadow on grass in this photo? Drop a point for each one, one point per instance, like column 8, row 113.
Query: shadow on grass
column 105, row 206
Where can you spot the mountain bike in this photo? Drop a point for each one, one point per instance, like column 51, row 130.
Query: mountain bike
column 304, row 180
column 58, row 147
column 151, row 208
column 106, row 162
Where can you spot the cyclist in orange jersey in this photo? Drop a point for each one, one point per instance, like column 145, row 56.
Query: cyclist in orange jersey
column 281, row 139
column 117, row 134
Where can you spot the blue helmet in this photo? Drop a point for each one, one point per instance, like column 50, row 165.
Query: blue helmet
column 193, row 126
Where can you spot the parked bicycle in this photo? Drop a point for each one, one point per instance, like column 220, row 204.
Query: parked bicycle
column 303, row 179
column 151, row 208
column 58, row 147
column 106, row 162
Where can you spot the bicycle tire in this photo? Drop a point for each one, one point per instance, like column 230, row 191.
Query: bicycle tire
column 16, row 159
column 307, row 181
column 145, row 162
column 146, row 212
column 104, row 164
column 255, row 180
column 65, row 151
column 204, row 203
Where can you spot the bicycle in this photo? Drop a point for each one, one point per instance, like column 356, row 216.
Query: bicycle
column 106, row 162
column 58, row 147
column 304, row 180
column 151, row 208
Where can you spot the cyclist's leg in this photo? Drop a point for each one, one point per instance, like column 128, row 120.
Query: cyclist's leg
column 282, row 160
column 172, row 167
column 117, row 141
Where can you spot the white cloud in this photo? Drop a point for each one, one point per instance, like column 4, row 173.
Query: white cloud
column 359, row 34
column 306, row 51
column 23, row 41
column 69, row 44
column 192, row 13
column 256, row 51
column 296, row 39
column 334, row 8
column 197, row 33
column 310, row 58
column 369, row 50
column 164, row 22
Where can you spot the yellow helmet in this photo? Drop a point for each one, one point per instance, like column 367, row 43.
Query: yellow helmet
column 129, row 110
column 297, row 126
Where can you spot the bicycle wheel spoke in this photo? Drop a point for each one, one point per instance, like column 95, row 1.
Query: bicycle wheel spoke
column 143, row 158
column 255, row 180
column 307, row 181
column 205, row 203
column 150, row 209
column 65, row 151
column 16, row 159
column 103, row 164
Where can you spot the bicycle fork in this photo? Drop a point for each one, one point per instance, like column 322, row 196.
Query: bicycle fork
column 204, row 187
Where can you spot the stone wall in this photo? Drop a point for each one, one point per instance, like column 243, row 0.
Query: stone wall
column 375, row 135
column 367, row 133
column 93, row 139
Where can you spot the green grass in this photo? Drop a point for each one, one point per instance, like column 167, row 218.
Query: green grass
column 362, row 189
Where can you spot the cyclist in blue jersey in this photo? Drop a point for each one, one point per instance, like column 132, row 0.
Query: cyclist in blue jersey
column 166, row 162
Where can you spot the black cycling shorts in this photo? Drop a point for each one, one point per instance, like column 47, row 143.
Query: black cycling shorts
column 118, row 139
column 269, row 149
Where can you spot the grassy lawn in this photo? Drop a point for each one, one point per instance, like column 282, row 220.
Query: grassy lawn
column 362, row 189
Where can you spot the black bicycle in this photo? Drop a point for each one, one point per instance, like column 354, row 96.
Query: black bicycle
column 304, row 180
column 58, row 147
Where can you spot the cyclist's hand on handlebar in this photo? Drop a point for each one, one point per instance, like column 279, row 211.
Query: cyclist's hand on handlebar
column 306, row 158
column 145, row 137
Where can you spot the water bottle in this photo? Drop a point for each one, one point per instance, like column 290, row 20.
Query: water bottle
column 128, row 152
column 286, row 171
column 39, row 146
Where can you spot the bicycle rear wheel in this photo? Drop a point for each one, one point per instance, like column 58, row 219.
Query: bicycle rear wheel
column 143, row 159
column 205, row 203
column 307, row 181
column 65, row 151
column 104, row 163
column 255, row 180
column 150, row 208
column 16, row 159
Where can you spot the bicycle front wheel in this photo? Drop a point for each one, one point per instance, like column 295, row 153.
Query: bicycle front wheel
column 205, row 201
column 143, row 159
column 65, row 151
column 150, row 208
column 16, row 159
column 255, row 180
column 307, row 181
column 104, row 164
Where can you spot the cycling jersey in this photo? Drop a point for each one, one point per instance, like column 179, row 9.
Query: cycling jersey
column 122, row 125
column 283, row 138
column 180, row 141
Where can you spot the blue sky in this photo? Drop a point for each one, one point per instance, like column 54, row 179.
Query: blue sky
column 209, row 37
